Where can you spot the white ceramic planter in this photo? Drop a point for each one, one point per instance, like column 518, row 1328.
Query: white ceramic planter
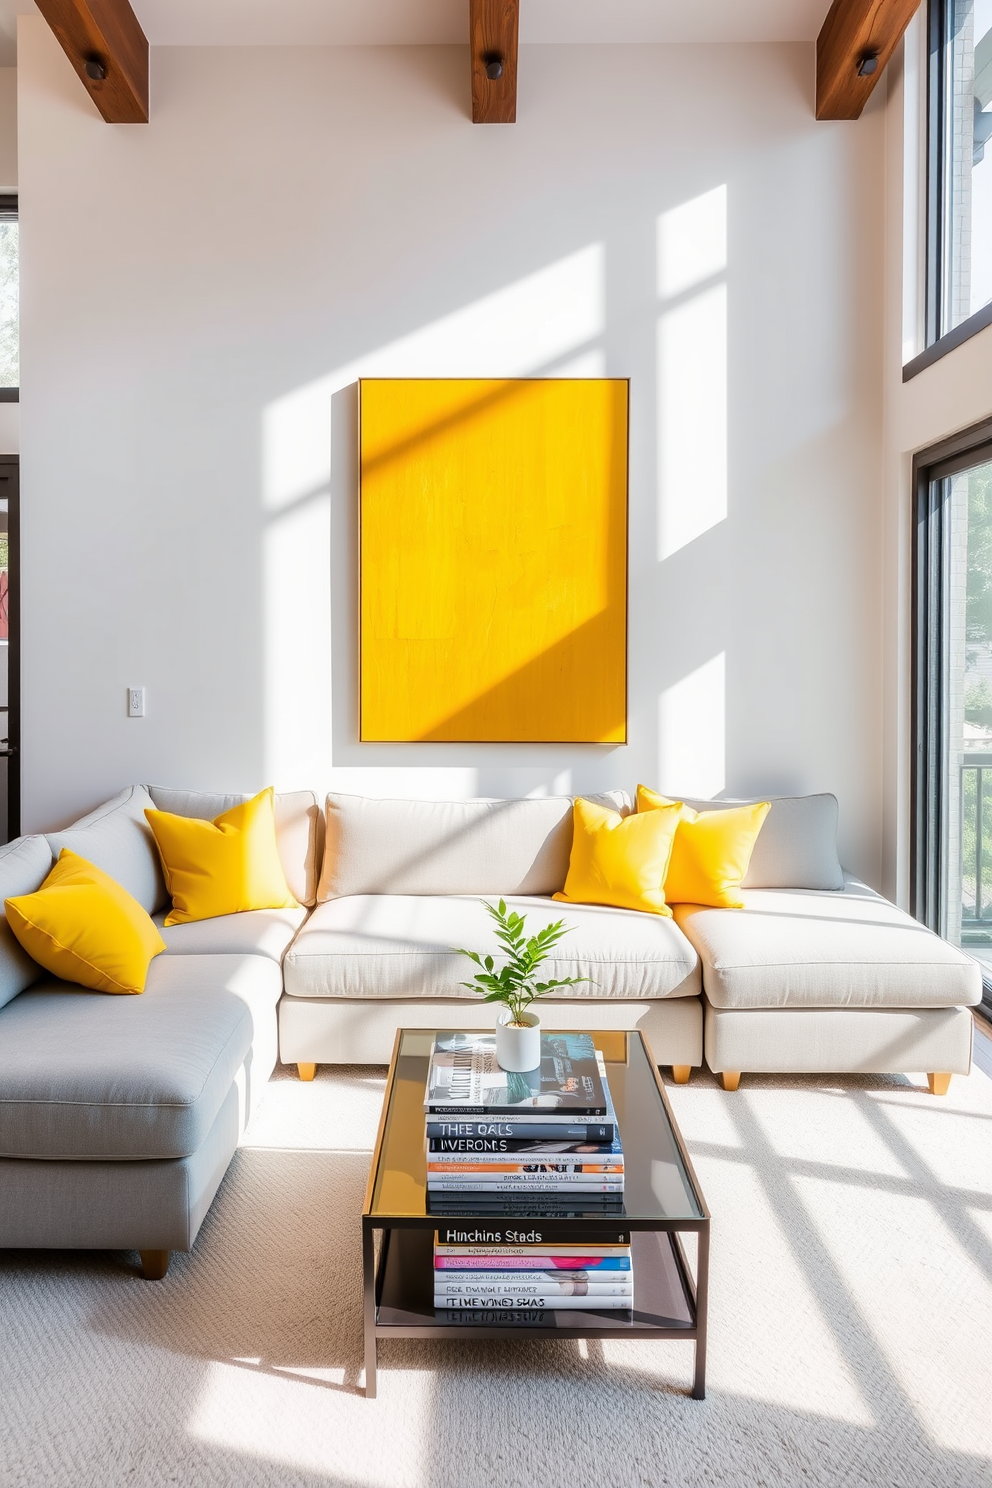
column 518, row 1049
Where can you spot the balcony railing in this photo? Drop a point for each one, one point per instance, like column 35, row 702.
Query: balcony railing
column 976, row 847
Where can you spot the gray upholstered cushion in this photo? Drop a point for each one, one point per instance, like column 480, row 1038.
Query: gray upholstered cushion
column 87, row 1075
column 807, row 948
column 253, row 932
column 155, row 1205
column 376, row 846
column 24, row 865
column 117, row 838
column 299, row 828
column 401, row 946
column 797, row 844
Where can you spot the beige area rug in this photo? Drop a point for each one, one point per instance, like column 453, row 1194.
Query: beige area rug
column 850, row 1335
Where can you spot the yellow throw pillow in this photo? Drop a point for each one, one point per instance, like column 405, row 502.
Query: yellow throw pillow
column 620, row 861
column 82, row 926
column 711, row 852
column 223, row 866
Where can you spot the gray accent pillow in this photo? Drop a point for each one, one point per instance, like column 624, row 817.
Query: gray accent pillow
column 385, row 846
column 797, row 844
column 117, row 838
column 25, row 863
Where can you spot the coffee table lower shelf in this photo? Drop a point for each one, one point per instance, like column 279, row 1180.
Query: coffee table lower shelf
column 401, row 1305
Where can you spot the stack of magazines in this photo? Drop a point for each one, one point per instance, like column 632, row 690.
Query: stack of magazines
column 545, row 1142
column 513, row 1275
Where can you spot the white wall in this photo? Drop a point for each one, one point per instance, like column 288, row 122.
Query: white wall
column 199, row 295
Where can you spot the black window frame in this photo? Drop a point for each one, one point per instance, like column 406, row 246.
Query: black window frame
column 932, row 469
column 8, row 213
column 939, row 342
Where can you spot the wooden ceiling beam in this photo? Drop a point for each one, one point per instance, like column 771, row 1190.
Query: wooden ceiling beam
column 106, row 45
column 855, row 42
column 493, row 35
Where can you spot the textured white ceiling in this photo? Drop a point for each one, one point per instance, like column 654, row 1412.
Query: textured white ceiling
column 411, row 22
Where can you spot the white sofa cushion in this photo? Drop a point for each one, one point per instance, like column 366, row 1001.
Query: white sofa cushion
column 299, row 828
column 797, row 844
column 400, row 946
column 808, row 948
column 24, row 865
column 253, row 932
column 117, row 838
column 796, row 1041
column 376, row 846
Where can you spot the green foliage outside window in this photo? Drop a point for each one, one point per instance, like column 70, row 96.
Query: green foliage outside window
column 978, row 703
column 979, row 601
column 978, row 692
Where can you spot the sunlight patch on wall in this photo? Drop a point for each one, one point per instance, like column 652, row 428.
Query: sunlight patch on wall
column 590, row 363
column 296, row 628
column 409, row 782
column 692, row 243
column 559, row 785
column 692, row 732
column 692, row 370
column 514, row 332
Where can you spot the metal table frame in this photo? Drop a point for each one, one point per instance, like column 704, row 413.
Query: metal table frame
column 696, row 1288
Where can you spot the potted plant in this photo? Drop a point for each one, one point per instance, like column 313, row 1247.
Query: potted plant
column 515, row 985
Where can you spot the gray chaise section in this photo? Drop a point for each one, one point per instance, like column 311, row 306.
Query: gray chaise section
column 119, row 1115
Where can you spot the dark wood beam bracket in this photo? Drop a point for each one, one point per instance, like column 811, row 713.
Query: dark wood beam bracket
column 106, row 45
column 855, row 42
column 493, row 37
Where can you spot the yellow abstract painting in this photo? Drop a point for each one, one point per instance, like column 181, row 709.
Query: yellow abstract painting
column 494, row 560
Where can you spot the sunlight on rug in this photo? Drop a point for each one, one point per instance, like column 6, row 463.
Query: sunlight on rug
column 850, row 1322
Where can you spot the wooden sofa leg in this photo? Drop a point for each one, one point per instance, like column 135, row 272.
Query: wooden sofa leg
column 154, row 1264
column 731, row 1079
column 938, row 1083
column 307, row 1071
column 681, row 1073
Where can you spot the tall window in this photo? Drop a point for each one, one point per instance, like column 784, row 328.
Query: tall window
column 959, row 248
column 10, row 369
column 953, row 603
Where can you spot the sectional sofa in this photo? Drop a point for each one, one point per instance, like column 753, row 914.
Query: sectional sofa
column 120, row 1115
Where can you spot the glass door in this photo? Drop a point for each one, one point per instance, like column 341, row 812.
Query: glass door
column 953, row 828
column 10, row 808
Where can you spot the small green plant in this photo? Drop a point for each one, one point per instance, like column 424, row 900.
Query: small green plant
column 515, row 984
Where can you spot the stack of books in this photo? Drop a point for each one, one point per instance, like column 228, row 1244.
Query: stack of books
column 514, row 1275
column 541, row 1143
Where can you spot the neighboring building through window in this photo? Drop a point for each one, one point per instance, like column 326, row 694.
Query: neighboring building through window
column 10, row 370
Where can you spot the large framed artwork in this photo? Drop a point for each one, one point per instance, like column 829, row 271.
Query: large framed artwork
column 493, row 553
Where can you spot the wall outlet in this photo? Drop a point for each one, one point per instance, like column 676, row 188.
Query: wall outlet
column 136, row 702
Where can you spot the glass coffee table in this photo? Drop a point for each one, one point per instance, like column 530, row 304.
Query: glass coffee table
column 661, row 1201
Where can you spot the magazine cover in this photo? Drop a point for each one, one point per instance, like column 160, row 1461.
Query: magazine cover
column 465, row 1077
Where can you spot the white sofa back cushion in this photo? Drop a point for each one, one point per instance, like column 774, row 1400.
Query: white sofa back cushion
column 299, row 824
column 117, row 838
column 797, row 844
column 376, row 846
column 25, row 863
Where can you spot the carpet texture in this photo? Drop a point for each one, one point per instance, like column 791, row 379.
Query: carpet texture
column 850, row 1323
